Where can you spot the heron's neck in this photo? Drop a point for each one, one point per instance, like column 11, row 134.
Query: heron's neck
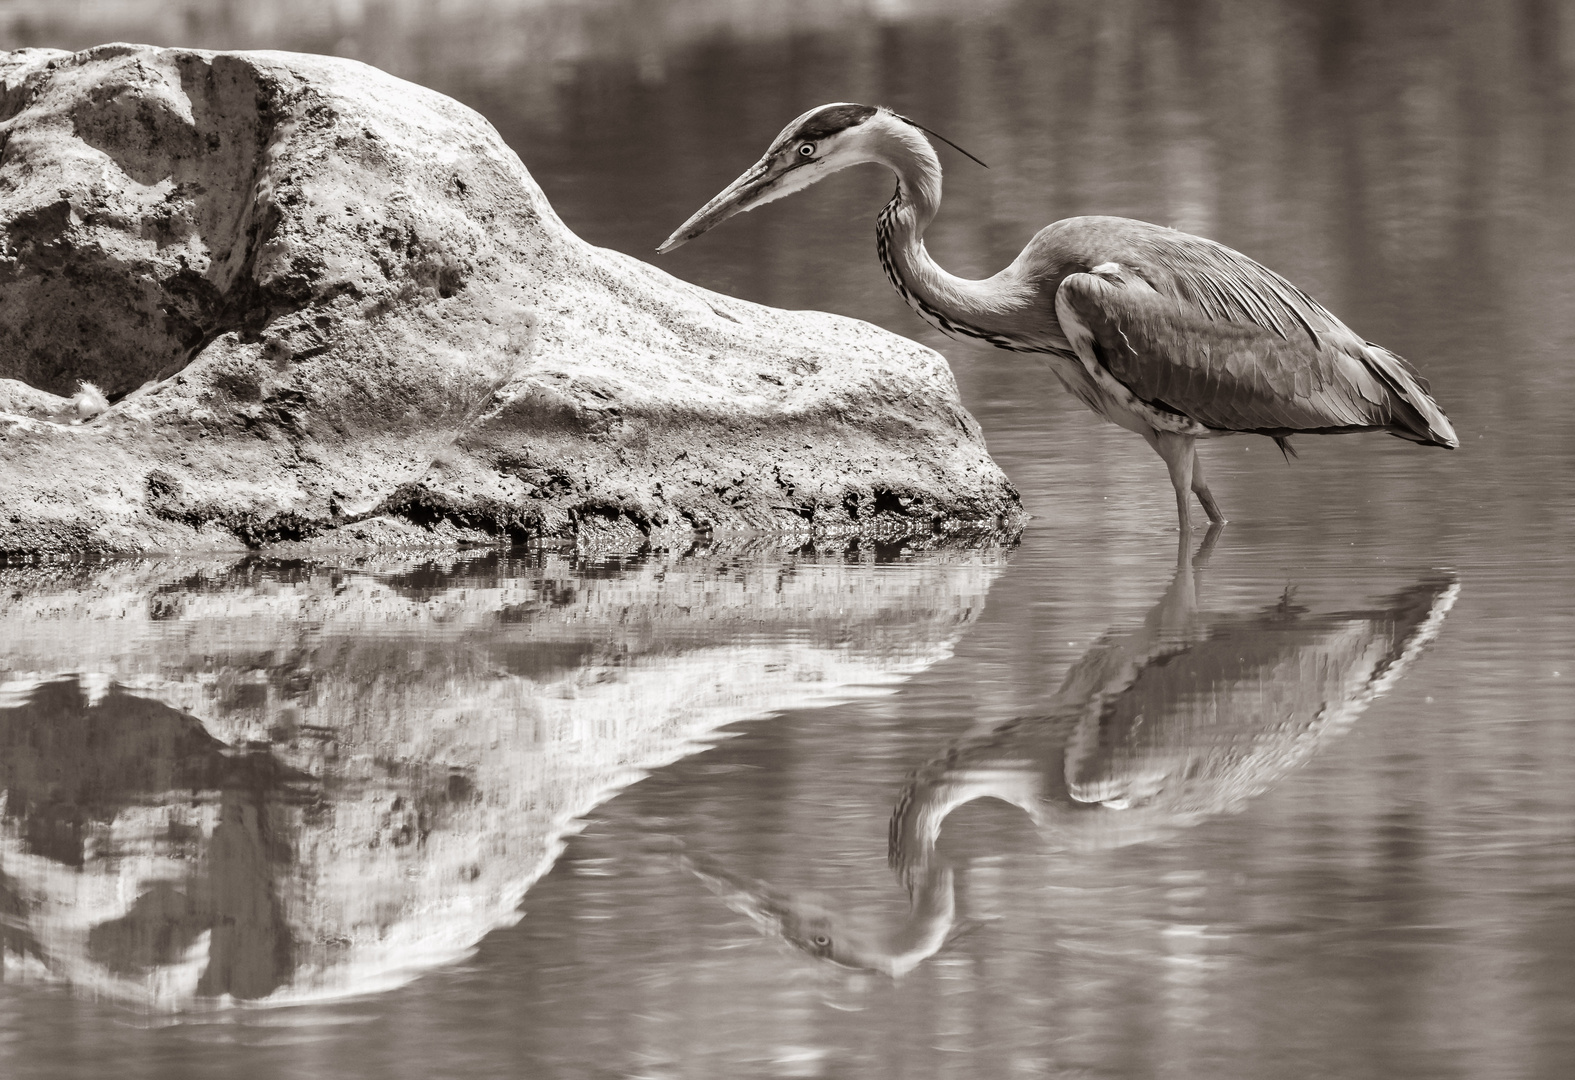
column 932, row 912
column 904, row 944
column 955, row 305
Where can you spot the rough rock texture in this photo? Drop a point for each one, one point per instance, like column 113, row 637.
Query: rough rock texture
column 287, row 780
column 330, row 304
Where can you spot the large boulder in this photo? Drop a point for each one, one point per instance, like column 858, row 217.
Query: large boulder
column 324, row 303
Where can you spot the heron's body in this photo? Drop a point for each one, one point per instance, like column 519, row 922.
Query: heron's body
column 1169, row 335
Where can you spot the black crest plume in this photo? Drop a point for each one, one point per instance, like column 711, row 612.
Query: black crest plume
column 938, row 135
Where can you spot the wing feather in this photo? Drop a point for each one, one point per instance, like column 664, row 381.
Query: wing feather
column 1193, row 327
column 1229, row 286
column 1203, row 330
column 1227, row 375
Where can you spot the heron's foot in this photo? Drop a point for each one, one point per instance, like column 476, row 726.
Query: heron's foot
column 1207, row 501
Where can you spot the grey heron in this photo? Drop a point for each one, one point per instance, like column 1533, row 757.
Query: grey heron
column 1170, row 335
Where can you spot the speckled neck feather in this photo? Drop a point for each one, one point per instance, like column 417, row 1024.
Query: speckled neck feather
column 955, row 305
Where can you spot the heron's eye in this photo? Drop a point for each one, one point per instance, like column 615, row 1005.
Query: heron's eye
column 807, row 150
column 821, row 940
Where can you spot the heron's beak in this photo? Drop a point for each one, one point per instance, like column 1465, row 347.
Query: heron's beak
column 737, row 197
column 761, row 903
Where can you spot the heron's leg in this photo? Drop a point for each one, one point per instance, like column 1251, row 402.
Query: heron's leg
column 1201, row 488
column 1179, row 458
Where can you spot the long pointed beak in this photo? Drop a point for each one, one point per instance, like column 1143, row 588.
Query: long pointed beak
column 731, row 200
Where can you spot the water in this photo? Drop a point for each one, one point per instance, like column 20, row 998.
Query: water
column 1337, row 757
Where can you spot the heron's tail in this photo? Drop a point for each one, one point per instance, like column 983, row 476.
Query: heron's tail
column 1416, row 416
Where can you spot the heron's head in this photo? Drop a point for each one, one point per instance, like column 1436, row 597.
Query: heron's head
column 817, row 144
column 885, row 943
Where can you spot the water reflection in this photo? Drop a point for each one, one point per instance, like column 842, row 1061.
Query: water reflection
column 256, row 780
column 815, row 924
column 1156, row 728
column 94, row 774
column 1186, row 717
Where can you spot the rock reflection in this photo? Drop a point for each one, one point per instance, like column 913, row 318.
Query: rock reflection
column 106, row 775
column 256, row 781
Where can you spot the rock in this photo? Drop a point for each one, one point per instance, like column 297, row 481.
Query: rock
column 328, row 305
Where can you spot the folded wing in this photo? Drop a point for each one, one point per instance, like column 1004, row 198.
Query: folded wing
column 1194, row 328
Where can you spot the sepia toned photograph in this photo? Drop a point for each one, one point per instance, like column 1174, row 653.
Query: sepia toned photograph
column 730, row 539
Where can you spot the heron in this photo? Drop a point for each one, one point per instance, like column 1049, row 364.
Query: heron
column 1172, row 336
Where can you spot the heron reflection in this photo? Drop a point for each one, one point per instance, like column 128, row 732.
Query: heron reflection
column 1156, row 728
column 813, row 924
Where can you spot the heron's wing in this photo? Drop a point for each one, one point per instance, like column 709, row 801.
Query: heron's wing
column 1224, row 285
column 1199, row 329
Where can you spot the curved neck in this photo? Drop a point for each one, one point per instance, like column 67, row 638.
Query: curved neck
column 919, row 936
column 953, row 304
column 908, row 154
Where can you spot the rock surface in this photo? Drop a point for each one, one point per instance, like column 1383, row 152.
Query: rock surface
column 330, row 305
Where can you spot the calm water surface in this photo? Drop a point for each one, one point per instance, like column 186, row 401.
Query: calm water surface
column 1307, row 810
